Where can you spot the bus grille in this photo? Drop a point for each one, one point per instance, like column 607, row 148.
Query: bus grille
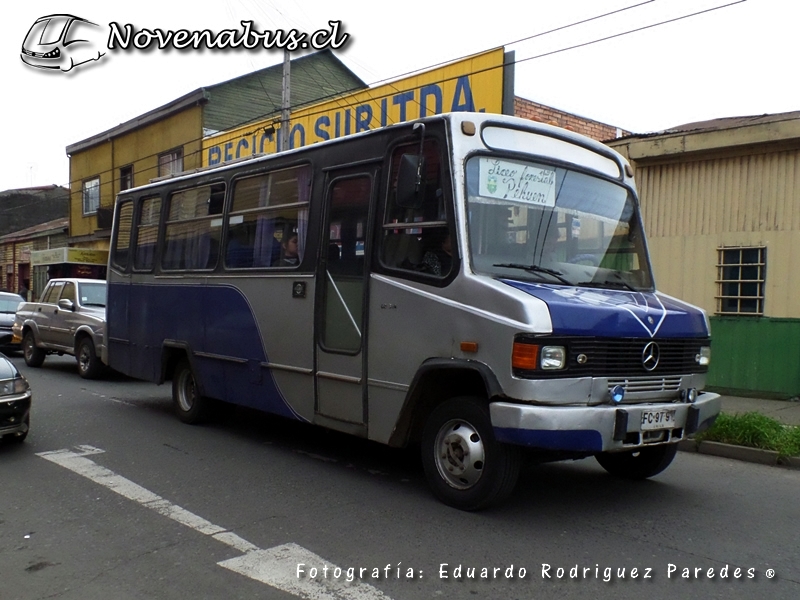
column 647, row 384
column 621, row 358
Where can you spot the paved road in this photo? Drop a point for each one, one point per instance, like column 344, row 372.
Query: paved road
column 112, row 498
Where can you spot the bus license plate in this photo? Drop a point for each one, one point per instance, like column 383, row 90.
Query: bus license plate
column 658, row 419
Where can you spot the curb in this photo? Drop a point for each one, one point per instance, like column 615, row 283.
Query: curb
column 743, row 453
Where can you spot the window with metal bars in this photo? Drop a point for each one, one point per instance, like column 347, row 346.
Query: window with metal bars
column 741, row 273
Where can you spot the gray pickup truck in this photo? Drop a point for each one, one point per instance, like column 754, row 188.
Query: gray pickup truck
column 70, row 318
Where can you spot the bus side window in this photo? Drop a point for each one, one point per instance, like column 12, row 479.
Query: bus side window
column 192, row 235
column 415, row 234
column 267, row 212
column 147, row 234
column 122, row 237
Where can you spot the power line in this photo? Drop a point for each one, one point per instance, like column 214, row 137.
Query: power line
column 525, row 39
column 616, row 35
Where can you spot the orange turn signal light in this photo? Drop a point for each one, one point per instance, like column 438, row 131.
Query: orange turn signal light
column 524, row 356
column 469, row 346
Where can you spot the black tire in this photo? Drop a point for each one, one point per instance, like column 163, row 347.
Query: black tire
column 457, row 430
column 639, row 464
column 34, row 357
column 190, row 406
column 89, row 365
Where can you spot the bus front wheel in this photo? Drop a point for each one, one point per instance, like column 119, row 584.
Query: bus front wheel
column 189, row 405
column 466, row 467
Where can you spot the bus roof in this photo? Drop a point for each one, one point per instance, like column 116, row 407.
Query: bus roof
column 454, row 118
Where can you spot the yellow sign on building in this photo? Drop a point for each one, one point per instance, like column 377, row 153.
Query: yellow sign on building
column 80, row 256
column 471, row 84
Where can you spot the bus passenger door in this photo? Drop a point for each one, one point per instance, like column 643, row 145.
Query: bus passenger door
column 342, row 306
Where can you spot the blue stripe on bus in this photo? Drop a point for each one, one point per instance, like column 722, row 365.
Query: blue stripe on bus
column 211, row 319
column 578, row 440
column 615, row 313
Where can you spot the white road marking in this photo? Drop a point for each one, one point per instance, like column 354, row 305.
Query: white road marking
column 276, row 567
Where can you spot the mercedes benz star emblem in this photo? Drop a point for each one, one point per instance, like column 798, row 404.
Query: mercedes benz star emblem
column 650, row 356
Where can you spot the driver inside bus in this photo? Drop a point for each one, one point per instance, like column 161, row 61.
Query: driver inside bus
column 437, row 261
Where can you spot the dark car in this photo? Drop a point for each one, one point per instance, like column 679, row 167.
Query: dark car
column 8, row 308
column 15, row 403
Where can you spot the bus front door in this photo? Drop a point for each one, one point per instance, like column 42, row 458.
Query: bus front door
column 341, row 315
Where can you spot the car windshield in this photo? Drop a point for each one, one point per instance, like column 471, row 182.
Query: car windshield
column 9, row 305
column 539, row 222
column 93, row 294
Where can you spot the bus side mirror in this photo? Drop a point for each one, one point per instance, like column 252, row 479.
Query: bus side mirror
column 410, row 183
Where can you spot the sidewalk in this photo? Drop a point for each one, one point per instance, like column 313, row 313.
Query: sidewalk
column 784, row 411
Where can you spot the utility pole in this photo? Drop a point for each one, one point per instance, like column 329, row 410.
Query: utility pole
column 285, row 101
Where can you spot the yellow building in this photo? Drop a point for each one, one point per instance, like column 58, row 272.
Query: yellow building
column 721, row 204
column 169, row 139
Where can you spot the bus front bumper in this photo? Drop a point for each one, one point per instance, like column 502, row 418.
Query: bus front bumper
column 604, row 428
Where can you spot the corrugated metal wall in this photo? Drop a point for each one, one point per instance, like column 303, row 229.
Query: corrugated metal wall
column 693, row 207
column 753, row 193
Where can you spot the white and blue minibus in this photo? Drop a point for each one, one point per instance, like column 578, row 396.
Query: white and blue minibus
column 475, row 284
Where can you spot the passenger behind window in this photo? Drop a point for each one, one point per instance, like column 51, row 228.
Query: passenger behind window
column 289, row 251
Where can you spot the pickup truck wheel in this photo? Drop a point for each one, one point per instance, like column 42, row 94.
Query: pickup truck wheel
column 190, row 406
column 465, row 466
column 34, row 357
column 639, row 464
column 89, row 366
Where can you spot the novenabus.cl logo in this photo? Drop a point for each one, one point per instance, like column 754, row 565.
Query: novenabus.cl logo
column 62, row 42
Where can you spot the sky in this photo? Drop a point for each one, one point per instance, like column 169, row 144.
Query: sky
column 737, row 60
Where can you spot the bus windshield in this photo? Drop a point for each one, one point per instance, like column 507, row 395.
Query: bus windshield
column 538, row 222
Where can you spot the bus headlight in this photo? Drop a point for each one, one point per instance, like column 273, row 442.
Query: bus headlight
column 553, row 357
column 703, row 358
column 533, row 357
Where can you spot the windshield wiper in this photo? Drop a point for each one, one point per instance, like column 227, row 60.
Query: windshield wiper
column 620, row 283
column 535, row 269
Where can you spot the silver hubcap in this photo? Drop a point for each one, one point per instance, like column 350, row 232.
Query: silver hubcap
column 186, row 391
column 459, row 454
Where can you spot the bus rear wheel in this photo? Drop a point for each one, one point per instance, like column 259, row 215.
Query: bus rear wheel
column 190, row 406
column 466, row 467
column 638, row 464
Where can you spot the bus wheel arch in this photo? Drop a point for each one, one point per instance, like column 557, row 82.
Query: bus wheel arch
column 436, row 382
